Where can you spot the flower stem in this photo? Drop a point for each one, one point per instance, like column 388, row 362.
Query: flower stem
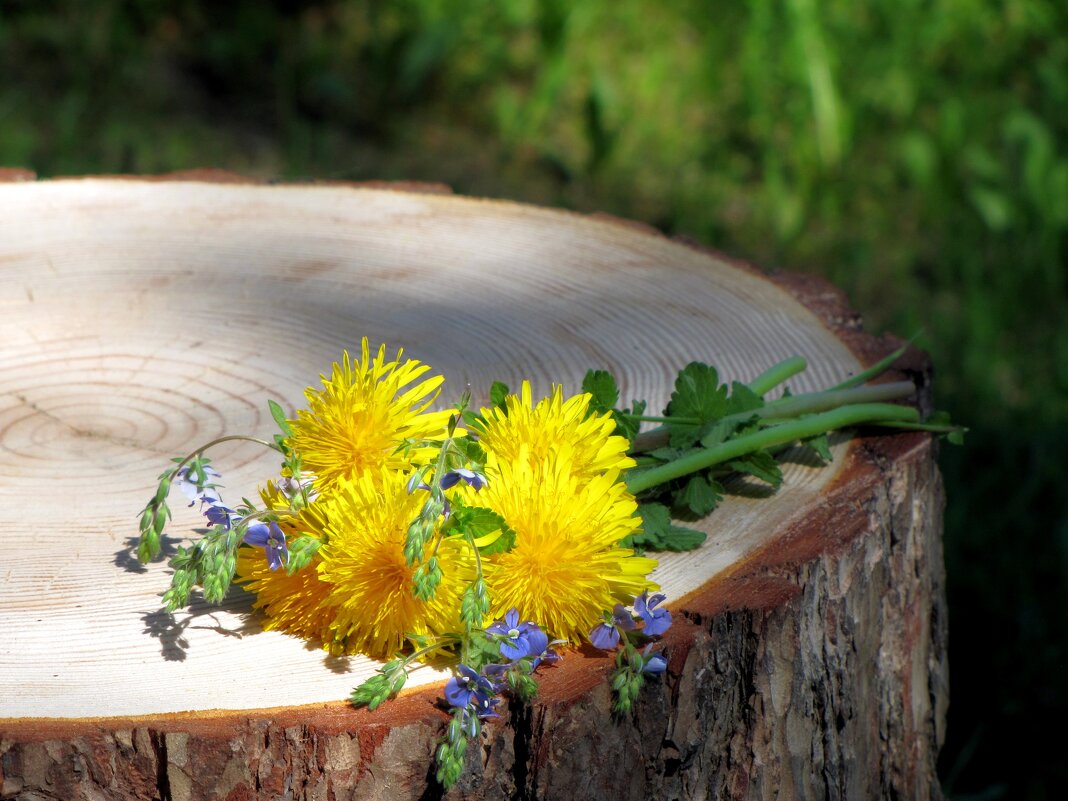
column 444, row 642
column 871, row 372
column 776, row 374
column 811, row 402
column 793, row 406
column 229, row 438
column 814, row 425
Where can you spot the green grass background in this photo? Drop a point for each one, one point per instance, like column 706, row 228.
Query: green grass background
column 915, row 152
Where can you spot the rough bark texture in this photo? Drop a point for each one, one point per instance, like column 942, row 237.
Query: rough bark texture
column 829, row 681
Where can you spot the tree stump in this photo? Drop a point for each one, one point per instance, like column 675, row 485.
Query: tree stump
column 141, row 318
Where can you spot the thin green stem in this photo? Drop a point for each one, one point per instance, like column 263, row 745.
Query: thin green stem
column 871, row 372
column 444, row 642
column 776, row 374
column 794, row 406
column 229, row 438
column 812, row 402
column 682, row 421
column 787, row 432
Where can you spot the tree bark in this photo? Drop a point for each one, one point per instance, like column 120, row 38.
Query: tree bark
column 811, row 664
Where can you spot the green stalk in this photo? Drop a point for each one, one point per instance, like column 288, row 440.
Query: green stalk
column 856, row 414
column 876, row 369
column 811, row 402
column 230, row 438
column 776, row 374
column 794, row 406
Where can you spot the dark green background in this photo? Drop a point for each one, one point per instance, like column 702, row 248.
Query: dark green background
column 913, row 151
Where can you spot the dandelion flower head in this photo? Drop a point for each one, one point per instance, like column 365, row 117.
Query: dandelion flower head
column 363, row 561
column 567, row 566
column 531, row 432
column 295, row 604
column 363, row 413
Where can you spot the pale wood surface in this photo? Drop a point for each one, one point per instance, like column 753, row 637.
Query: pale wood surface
column 139, row 319
column 808, row 654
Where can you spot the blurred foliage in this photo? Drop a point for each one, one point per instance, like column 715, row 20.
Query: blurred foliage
column 916, row 153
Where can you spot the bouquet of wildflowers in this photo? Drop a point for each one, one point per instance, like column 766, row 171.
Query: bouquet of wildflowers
column 489, row 539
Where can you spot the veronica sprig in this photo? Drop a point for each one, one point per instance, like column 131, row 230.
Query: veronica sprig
column 211, row 561
column 157, row 513
column 621, row 626
column 392, row 676
column 423, row 527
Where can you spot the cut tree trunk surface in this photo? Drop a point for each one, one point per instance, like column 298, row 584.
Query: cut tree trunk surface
column 141, row 318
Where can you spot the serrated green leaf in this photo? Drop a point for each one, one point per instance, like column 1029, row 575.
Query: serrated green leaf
column 716, row 434
column 743, row 399
column 698, row 393
column 498, row 393
column 470, row 450
column 759, row 464
column 698, row 495
column 658, row 533
column 479, row 522
column 602, row 387
column 626, row 425
column 502, row 544
column 681, row 538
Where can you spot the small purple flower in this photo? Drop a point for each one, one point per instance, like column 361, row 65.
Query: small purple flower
column 657, row 621
column 273, row 541
column 606, row 635
column 219, row 515
column 520, row 639
column 291, row 487
column 655, row 664
column 186, row 482
column 475, row 480
column 473, row 690
column 548, row 656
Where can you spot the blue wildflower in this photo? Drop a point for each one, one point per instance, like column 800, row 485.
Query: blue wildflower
column 654, row 664
column 273, row 541
column 606, row 635
column 518, row 639
column 187, row 481
column 219, row 515
column 472, row 690
column 473, row 479
column 657, row 621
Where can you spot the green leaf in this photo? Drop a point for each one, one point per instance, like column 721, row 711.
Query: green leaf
column 759, row 464
column 743, row 399
column 627, row 426
column 698, row 393
column 698, row 495
column 660, row 534
column 498, row 393
column 602, row 386
column 478, row 522
column 279, row 416
column 681, row 538
column 470, row 451
column 821, row 446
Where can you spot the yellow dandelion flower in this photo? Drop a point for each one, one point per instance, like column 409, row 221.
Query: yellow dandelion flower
column 364, row 411
column 295, row 604
column 363, row 561
column 567, row 566
column 530, row 433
